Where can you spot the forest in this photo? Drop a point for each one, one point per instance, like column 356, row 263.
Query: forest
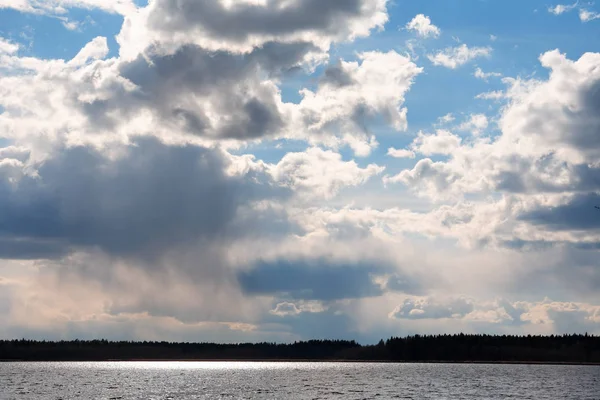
column 417, row 348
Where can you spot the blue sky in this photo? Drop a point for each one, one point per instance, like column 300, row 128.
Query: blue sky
column 232, row 170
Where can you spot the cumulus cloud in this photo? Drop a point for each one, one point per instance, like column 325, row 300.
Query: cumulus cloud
column 494, row 95
column 501, row 311
column 442, row 142
column 7, row 47
column 428, row 178
column 476, row 124
column 375, row 86
column 400, row 153
column 94, row 100
column 241, row 26
column 321, row 173
column 426, row 308
column 286, row 309
column 422, row 25
column 454, row 57
column 147, row 198
column 152, row 202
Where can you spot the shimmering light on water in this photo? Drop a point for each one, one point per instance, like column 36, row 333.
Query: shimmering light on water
column 265, row 380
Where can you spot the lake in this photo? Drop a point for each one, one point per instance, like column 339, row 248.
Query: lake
column 267, row 380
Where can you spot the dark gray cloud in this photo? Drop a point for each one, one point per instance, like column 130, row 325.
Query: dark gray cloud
column 578, row 214
column 183, row 87
column 531, row 175
column 242, row 21
column 319, row 279
column 27, row 249
column 153, row 197
column 336, row 76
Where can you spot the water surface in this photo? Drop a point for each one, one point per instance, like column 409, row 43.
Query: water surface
column 264, row 380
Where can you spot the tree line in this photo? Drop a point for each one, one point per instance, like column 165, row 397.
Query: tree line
column 427, row 348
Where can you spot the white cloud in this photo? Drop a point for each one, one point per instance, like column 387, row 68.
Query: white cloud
column 429, row 308
column 494, row 95
column 353, row 92
column 95, row 50
column 422, row 25
column 586, row 15
column 562, row 8
column 58, row 7
column 71, row 25
column 321, row 173
column 430, row 179
column 486, row 75
column 400, row 153
column 454, row 57
column 500, row 311
column 476, row 124
column 441, row 142
column 286, row 309
column 116, row 99
column 7, row 47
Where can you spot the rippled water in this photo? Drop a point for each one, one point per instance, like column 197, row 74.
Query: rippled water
column 263, row 380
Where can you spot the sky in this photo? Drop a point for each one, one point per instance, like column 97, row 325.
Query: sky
column 281, row 170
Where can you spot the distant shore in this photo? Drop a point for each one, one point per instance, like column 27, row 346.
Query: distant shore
column 457, row 349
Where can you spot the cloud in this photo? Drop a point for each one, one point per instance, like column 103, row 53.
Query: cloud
column 486, row 75
column 138, row 204
column 7, row 47
column 174, row 191
column 93, row 100
column 320, row 173
column 427, row 308
column 579, row 213
column 58, row 7
column 432, row 178
column 422, row 25
column 585, row 15
column 477, row 123
column 312, row 279
column 494, row 95
column 565, row 120
column 286, row 309
column 563, row 316
column 242, row 26
column 446, row 119
column 547, row 142
column 442, row 142
column 97, row 49
column 374, row 87
column 454, row 57
column 400, row 153
column 562, row 8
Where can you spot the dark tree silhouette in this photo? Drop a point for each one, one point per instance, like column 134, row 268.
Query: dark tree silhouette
column 435, row 348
